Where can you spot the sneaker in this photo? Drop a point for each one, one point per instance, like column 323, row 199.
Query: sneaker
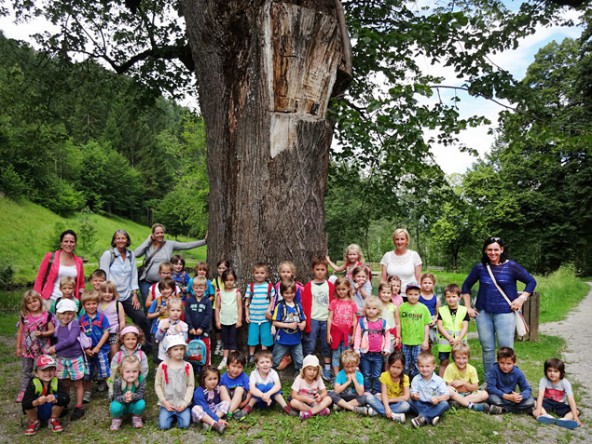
column 206, row 427
column 218, row 351
column 242, row 414
column 222, row 364
column 419, row 421
column 77, row 413
column 55, row 426
column 546, row 419
column 363, row 411
column 398, row 417
column 252, row 360
column 19, row 397
column 289, row 410
column 567, row 423
column 337, row 408
column 101, row 386
column 453, row 404
column 230, row 415
column 86, row 397
column 481, row 407
column 137, row 422
column 326, row 375
column 305, row 415
column 220, row 428
column 285, row 362
column 325, row 412
column 115, row 424
column 435, row 420
column 495, row 410
column 32, row 428
column 371, row 411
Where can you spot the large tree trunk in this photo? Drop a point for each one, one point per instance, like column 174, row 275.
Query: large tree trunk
column 265, row 73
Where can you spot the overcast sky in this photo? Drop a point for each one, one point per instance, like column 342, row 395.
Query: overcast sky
column 450, row 159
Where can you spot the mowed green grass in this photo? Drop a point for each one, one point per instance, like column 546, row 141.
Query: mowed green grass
column 27, row 230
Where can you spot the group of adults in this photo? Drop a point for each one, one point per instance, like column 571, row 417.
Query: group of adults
column 119, row 264
column 497, row 298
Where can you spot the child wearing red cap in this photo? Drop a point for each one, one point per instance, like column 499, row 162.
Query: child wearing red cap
column 45, row 397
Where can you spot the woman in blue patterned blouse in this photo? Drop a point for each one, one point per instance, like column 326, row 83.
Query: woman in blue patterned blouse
column 496, row 320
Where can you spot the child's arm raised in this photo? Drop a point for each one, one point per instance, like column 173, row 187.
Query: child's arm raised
column 336, row 268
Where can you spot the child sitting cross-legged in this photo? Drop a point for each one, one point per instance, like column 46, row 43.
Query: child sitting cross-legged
column 348, row 390
column 235, row 382
column 309, row 394
column 45, row 396
column 463, row 381
column 429, row 394
column 264, row 385
column 556, row 395
column 502, row 380
column 393, row 402
column 211, row 402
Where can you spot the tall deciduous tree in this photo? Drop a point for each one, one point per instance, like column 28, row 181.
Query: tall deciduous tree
column 266, row 71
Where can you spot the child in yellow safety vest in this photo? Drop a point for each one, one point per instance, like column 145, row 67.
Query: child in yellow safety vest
column 453, row 324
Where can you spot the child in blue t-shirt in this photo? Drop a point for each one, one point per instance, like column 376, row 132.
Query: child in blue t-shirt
column 235, row 382
column 96, row 326
column 348, row 387
column 289, row 321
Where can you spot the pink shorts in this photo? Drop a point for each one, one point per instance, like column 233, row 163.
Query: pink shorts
column 71, row 368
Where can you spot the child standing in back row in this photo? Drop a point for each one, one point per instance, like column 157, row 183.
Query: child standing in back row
column 373, row 340
column 258, row 306
column 415, row 324
column 453, row 324
column 35, row 329
column 316, row 297
column 430, row 300
column 71, row 362
column 341, row 324
column 229, row 313
column 352, row 258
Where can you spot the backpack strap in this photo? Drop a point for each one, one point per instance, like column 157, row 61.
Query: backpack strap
column 165, row 373
column 112, row 251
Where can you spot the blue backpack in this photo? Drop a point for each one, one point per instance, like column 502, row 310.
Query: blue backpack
column 197, row 352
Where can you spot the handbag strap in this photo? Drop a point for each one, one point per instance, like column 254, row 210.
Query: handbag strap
column 148, row 259
column 497, row 286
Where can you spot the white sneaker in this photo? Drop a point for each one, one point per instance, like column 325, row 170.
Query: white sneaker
column 371, row 411
column 398, row 417
column 222, row 364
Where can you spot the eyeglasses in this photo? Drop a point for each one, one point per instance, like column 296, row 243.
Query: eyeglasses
column 494, row 239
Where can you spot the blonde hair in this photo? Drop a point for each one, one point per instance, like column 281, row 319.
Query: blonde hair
column 426, row 356
column 174, row 301
column 108, row 287
column 349, row 357
column 28, row 297
column 356, row 248
column 67, row 280
column 400, row 231
column 373, row 302
column 128, row 360
column 199, row 280
column 288, row 264
column 89, row 295
column 461, row 349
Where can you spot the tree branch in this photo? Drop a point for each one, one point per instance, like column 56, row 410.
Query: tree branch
column 464, row 88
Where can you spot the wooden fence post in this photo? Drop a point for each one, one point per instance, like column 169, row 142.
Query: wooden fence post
column 530, row 311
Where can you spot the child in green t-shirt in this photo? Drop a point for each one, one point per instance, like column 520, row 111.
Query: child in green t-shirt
column 415, row 326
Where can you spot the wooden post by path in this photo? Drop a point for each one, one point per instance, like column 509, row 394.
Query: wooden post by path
column 530, row 310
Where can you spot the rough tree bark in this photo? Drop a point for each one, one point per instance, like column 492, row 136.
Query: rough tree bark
column 266, row 71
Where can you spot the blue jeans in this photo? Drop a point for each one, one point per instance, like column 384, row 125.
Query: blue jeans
column 317, row 329
column 524, row 406
column 371, row 365
column 411, row 352
column 492, row 327
column 279, row 350
column 428, row 410
column 396, row 407
column 165, row 418
column 144, row 289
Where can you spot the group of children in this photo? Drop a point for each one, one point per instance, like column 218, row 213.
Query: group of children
column 375, row 350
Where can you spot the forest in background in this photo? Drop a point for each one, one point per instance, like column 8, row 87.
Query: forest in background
column 76, row 137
